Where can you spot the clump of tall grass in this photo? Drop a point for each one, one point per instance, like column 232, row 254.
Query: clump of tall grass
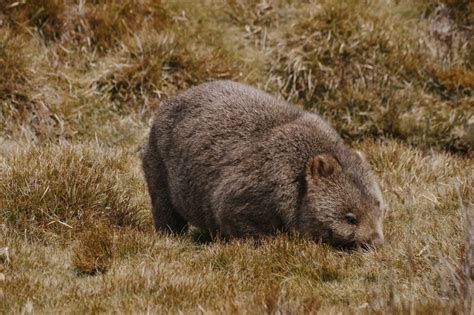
column 98, row 24
column 45, row 16
column 151, row 66
column 93, row 250
column 61, row 190
column 19, row 109
column 105, row 24
column 13, row 67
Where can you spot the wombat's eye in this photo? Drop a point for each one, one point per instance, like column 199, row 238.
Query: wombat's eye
column 351, row 219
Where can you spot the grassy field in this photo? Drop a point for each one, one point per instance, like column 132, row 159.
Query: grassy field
column 80, row 80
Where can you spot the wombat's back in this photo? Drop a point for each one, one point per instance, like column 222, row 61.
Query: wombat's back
column 226, row 111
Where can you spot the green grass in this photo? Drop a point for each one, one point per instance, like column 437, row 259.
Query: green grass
column 79, row 82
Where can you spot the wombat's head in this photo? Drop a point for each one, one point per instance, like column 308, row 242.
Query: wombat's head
column 343, row 207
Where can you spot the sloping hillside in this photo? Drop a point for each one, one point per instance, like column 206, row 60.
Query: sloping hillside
column 80, row 80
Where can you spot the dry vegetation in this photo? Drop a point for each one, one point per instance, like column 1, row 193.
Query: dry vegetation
column 79, row 81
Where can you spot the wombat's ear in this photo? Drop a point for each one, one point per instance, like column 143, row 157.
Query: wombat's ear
column 323, row 165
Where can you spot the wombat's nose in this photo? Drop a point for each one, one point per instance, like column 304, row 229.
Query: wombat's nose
column 377, row 240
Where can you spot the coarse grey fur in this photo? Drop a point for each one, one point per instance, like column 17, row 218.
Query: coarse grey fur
column 232, row 159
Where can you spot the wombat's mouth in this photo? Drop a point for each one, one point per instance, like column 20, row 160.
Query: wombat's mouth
column 341, row 244
column 345, row 246
column 352, row 246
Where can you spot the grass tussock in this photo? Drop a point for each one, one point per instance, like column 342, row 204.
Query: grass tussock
column 93, row 251
column 93, row 24
column 80, row 79
column 58, row 191
column 13, row 69
column 110, row 21
column 47, row 17
column 460, row 11
column 19, row 108
column 153, row 66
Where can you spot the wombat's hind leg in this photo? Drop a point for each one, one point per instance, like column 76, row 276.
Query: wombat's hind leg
column 165, row 217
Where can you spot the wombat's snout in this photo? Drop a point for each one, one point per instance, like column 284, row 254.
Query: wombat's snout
column 376, row 240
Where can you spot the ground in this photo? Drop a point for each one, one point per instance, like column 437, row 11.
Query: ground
column 79, row 82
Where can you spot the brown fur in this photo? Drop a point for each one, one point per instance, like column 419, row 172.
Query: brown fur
column 232, row 159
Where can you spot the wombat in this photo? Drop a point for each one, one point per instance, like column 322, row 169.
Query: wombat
column 234, row 160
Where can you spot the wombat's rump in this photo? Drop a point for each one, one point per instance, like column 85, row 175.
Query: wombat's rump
column 230, row 158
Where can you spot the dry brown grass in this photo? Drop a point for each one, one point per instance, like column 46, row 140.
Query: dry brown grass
column 56, row 191
column 109, row 21
column 45, row 16
column 13, row 75
column 79, row 81
column 154, row 64
column 93, row 251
